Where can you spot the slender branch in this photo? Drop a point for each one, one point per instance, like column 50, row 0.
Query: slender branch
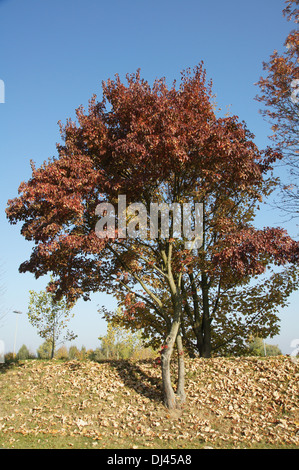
column 153, row 266
column 236, row 334
column 151, row 304
column 144, row 259
column 147, row 290
column 217, row 298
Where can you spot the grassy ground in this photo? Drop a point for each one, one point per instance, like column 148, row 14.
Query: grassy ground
column 231, row 403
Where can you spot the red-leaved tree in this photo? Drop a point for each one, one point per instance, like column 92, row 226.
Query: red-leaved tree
column 153, row 144
column 279, row 93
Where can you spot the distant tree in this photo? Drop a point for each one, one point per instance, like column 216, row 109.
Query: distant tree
column 83, row 353
column 108, row 342
column 121, row 343
column 279, row 94
column 61, row 353
column 10, row 357
column 273, row 350
column 23, row 353
column 125, row 342
column 144, row 353
column 50, row 317
column 74, row 352
column 257, row 347
column 89, row 354
column 97, row 355
column 44, row 351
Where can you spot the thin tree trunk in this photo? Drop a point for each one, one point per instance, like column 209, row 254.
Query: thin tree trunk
column 194, row 318
column 169, row 395
column 206, row 321
column 53, row 347
column 181, row 370
column 205, row 339
column 175, row 289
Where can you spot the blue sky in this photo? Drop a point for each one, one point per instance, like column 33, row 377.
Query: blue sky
column 54, row 56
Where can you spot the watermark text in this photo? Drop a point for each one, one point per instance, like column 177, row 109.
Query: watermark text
column 294, row 97
column 135, row 222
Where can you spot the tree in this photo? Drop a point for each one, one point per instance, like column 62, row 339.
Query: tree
column 108, row 342
column 257, row 347
column 152, row 145
column 44, row 351
column 23, row 353
column 50, row 317
column 121, row 343
column 61, row 353
column 239, row 306
column 74, row 352
column 279, row 94
column 273, row 350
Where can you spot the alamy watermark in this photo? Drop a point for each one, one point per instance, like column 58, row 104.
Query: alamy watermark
column 2, row 92
column 295, row 353
column 133, row 221
column 295, row 84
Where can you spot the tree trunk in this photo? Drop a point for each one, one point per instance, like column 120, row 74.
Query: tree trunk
column 53, row 348
column 175, row 289
column 206, row 321
column 201, row 321
column 169, row 395
column 181, row 370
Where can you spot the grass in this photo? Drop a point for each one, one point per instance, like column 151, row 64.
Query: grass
column 231, row 403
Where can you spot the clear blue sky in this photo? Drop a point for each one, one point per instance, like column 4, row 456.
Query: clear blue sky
column 54, row 55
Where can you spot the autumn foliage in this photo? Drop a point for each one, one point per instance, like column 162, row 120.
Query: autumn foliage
column 159, row 144
column 279, row 89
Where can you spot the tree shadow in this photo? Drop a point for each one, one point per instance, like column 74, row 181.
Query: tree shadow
column 135, row 378
column 7, row 365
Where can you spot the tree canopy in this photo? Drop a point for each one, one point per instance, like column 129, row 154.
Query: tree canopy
column 50, row 316
column 157, row 144
column 279, row 93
